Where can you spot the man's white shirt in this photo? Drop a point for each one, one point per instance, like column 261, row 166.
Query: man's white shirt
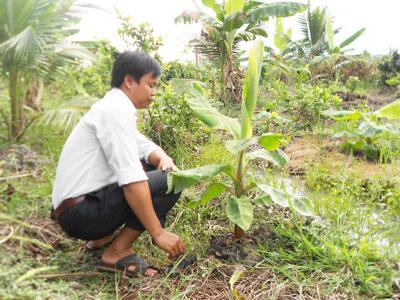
column 105, row 147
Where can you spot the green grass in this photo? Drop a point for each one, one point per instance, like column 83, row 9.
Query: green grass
column 328, row 256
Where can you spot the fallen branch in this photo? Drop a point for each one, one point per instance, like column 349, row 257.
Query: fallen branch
column 31, row 273
column 16, row 176
column 32, row 241
column 8, row 236
column 69, row 276
column 35, row 228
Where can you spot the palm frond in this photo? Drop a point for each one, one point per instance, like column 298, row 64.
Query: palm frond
column 68, row 115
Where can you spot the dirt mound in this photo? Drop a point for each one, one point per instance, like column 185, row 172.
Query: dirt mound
column 308, row 150
column 18, row 158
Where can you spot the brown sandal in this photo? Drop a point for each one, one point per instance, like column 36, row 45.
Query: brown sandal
column 124, row 263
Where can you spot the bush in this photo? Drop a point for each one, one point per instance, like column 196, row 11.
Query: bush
column 93, row 80
column 170, row 123
column 364, row 67
column 176, row 69
column 304, row 105
column 389, row 66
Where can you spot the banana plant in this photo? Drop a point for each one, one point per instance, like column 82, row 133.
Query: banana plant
column 240, row 205
column 368, row 133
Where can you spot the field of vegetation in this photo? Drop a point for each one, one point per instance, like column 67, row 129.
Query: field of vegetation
column 288, row 156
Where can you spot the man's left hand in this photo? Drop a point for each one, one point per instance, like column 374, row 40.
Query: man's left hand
column 166, row 164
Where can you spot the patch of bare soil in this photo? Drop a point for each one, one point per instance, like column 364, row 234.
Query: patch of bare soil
column 19, row 158
column 307, row 151
column 36, row 235
column 378, row 101
column 353, row 100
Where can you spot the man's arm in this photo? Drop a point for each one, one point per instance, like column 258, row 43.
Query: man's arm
column 138, row 197
column 161, row 161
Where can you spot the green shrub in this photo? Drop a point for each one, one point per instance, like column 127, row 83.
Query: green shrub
column 304, row 105
column 374, row 135
column 363, row 66
column 93, row 80
column 389, row 66
column 352, row 83
column 170, row 123
column 176, row 69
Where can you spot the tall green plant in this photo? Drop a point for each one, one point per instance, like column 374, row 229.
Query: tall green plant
column 139, row 37
column 32, row 45
column 318, row 42
column 235, row 21
column 240, row 206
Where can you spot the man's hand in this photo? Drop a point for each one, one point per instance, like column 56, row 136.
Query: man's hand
column 170, row 243
column 161, row 161
column 166, row 164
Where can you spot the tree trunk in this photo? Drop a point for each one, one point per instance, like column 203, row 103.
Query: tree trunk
column 16, row 103
column 34, row 94
column 239, row 233
column 239, row 190
column 231, row 89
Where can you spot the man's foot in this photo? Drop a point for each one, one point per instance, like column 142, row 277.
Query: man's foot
column 126, row 261
column 97, row 244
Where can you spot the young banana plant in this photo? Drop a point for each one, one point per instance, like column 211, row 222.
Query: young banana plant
column 240, row 206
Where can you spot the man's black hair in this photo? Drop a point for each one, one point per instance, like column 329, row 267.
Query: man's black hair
column 134, row 63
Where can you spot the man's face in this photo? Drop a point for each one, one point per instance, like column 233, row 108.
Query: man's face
column 142, row 94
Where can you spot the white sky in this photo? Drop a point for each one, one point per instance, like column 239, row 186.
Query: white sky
column 380, row 18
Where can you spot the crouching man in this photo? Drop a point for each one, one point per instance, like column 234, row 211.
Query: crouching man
column 100, row 183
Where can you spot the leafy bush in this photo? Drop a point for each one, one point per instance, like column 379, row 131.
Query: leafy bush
column 389, row 66
column 93, row 80
column 352, row 83
column 176, row 69
column 171, row 124
column 370, row 134
column 304, row 105
column 394, row 82
column 364, row 67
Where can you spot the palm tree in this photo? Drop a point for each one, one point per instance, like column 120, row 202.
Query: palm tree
column 235, row 21
column 33, row 46
column 317, row 28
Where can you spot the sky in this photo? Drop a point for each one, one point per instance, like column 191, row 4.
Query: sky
column 380, row 18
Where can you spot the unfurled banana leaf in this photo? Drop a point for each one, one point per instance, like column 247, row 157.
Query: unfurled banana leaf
column 390, row 111
column 300, row 204
column 233, row 6
column 179, row 180
column 352, row 38
column 213, row 5
column 303, row 205
column 240, row 211
column 276, row 9
column 277, row 157
column 343, row 115
column 213, row 191
column 272, row 141
column 277, row 196
column 209, row 114
column 369, row 129
column 269, row 141
column 235, row 146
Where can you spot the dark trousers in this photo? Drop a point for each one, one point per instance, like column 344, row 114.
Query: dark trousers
column 105, row 210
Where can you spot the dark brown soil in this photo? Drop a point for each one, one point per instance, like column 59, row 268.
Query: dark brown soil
column 354, row 101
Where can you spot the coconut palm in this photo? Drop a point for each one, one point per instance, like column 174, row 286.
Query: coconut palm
column 235, row 21
column 32, row 46
column 318, row 36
